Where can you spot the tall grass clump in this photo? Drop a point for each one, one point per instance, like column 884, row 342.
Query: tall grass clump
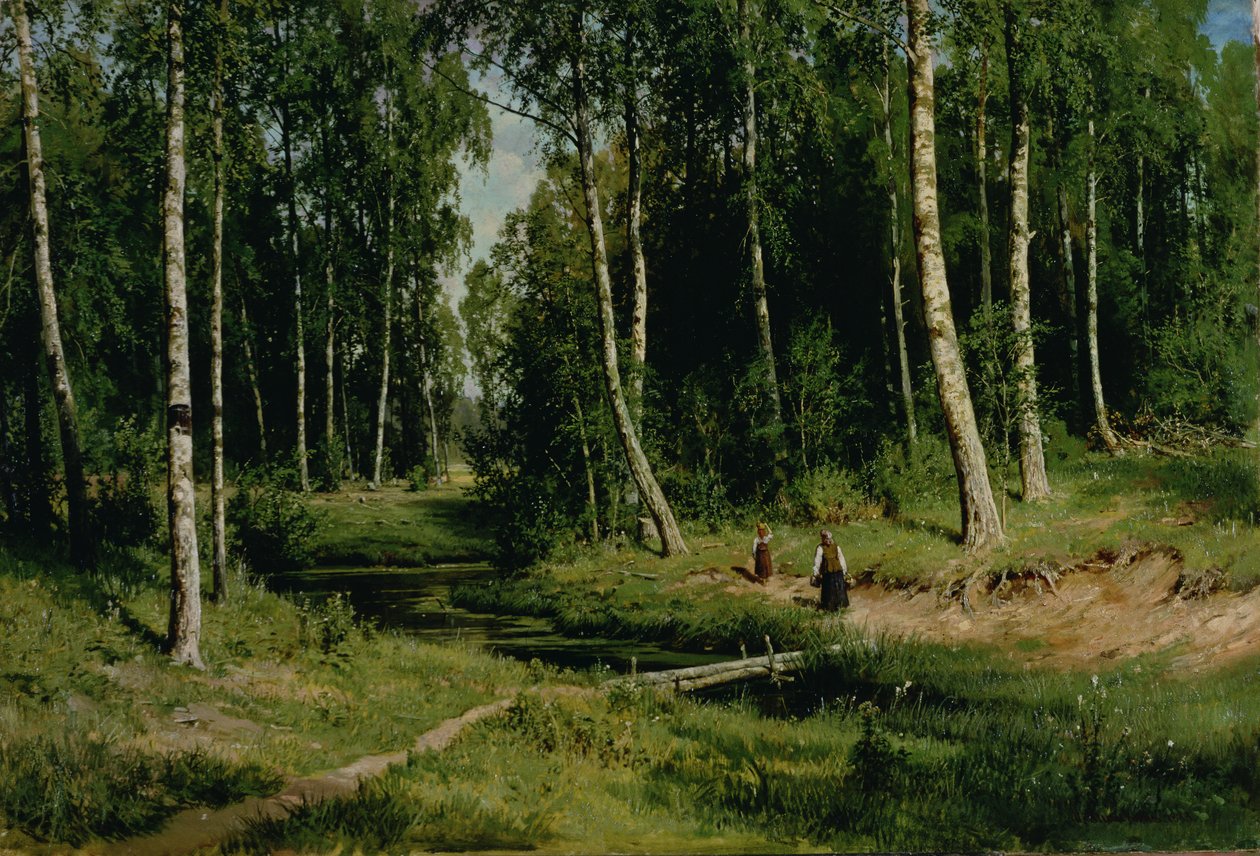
column 1227, row 479
column 377, row 817
column 72, row 785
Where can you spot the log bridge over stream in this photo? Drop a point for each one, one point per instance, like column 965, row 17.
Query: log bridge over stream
column 773, row 666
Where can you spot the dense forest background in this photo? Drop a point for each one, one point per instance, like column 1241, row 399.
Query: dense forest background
column 749, row 163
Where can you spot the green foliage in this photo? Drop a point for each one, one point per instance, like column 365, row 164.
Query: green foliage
column 273, row 526
column 698, row 496
column 926, row 472
column 327, row 625
column 124, row 512
column 378, row 816
column 1202, row 374
column 421, row 476
column 78, row 784
column 1228, row 480
column 828, row 494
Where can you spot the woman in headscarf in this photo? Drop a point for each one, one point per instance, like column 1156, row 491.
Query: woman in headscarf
column 761, row 553
column 830, row 571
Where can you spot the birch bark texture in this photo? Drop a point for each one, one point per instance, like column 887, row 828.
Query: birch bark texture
column 894, row 229
column 295, row 259
column 634, row 238
column 672, row 543
column 81, row 541
column 183, row 636
column 1101, row 422
column 219, row 525
column 981, row 526
column 1034, row 484
column 1255, row 41
column 982, row 183
column 752, row 202
column 387, row 298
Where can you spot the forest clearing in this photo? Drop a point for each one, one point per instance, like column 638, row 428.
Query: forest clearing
column 643, row 426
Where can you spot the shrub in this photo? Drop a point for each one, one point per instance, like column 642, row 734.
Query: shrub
column 697, row 496
column 273, row 526
column 124, row 510
column 829, row 494
column 925, row 472
column 422, row 475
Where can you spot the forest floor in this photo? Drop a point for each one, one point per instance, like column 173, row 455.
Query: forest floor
column 1126, row 605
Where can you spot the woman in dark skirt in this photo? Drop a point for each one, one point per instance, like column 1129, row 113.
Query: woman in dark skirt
column 831, row 571
column 761, row 553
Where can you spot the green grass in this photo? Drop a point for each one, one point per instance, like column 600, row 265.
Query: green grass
column 917, row 747
column 397, row 527
column 89, row 747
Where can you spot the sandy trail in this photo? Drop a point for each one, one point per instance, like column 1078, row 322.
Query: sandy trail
column 1102, row 609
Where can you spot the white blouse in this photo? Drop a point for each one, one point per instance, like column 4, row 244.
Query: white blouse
column 818, row 560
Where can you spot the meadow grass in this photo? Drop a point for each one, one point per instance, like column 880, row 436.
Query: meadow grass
column 885, row 745
column 90, row 746
column 395, row 526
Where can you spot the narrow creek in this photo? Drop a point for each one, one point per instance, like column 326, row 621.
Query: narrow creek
column 416, row 601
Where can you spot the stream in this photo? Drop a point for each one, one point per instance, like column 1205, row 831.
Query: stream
column 416, row 601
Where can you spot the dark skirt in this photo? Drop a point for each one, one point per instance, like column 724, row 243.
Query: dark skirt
column 764, row 567
column 835, row 592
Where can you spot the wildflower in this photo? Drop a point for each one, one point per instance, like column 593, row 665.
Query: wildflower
column 1093, row 679
column 1170, row 744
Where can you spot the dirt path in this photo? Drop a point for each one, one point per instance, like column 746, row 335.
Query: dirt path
column 1105, row 608
column 200, row 829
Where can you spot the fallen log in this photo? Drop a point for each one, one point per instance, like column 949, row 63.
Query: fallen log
column 715, row 674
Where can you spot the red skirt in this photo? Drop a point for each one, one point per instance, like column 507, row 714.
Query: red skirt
column 764, row 567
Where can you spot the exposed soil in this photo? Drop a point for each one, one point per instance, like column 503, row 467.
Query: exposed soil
column 1114, row 605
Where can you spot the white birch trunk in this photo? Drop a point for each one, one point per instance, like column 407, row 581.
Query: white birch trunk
column 1032, row 464
column 982, row 186
column 981, row 526
column 81, row 540
column 634, row 241
column 219, row 524
column 183, row 639
column 286, row 134
column 760, row 300
column 653, row 497
column 894, row 226
column 1105, row 431
column 382, row 404
column 252, row 371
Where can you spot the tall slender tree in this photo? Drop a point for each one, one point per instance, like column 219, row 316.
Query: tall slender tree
column 752, row 202
column 1032, row 464
column 183, row 637
column 1101, row 421
column 894, row 229
column 217, row 501
column 81, row 540
column 981, row 526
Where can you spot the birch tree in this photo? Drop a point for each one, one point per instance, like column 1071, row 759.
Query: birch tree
column 183, row 637
column 219, row 523
column 981, row 526
column 1035, row 485
column 81, row 540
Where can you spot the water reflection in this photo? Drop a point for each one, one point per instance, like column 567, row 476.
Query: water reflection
column 417, row 601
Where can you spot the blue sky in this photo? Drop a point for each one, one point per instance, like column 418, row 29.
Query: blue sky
column 513, row 170
column 1228, row 19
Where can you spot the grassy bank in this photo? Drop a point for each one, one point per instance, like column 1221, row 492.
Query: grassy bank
column 100, row 737
column 905, row 747
column 1204, row 509
column 395, row 526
